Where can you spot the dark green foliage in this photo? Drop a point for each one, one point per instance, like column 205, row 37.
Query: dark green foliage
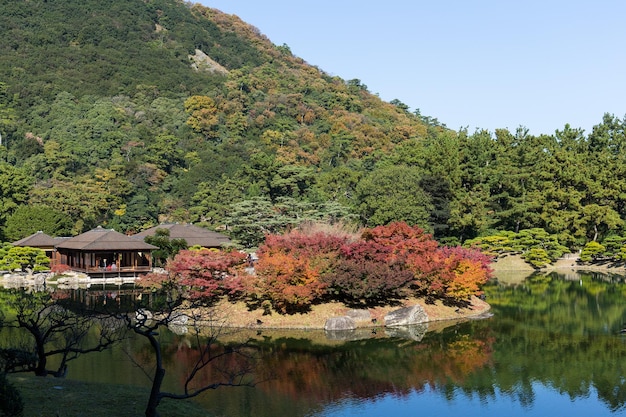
column 613, row 246
column 92, row 47
column 11, row 403
column 168, row 248
column 138, row 213
column 27, row 220
column 393, row 194
column 16, row 359
column 108, row 137
column 14, row 187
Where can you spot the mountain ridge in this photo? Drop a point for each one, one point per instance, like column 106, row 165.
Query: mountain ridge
column 101, row 106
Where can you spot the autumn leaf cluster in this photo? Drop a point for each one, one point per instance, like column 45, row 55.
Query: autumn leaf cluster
column 301, row 268
column 383, row 264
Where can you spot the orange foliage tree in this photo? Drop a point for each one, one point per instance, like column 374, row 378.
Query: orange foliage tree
column 467, row 270
column 290, row 268
column 386, row 263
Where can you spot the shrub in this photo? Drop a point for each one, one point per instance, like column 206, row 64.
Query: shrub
column 290, row 268
column 60, row 269
column 204, row 273
column 292, row 284
column 507, row 242
column 417, row 250
column 494, row 245
column 22, row 257
column 366, row 282
column 537, row 257
column 201, row 274
column 388, row 262
column 614, row 245
column 469, row 270
column 591, row 251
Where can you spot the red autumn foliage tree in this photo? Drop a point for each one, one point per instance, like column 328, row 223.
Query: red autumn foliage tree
column 290, row 268
column 194, row 278
column 200, row 273
column 387, row 263
column 417, row 250
column 206, row 273
column 367, row 274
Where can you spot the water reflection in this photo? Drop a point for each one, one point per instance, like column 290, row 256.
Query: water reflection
column 553, row 345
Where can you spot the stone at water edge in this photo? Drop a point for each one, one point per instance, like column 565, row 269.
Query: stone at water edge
column 406, row 316
column 340, row 323
column 359, row 315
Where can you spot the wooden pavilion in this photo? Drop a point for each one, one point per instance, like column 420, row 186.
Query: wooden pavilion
column 105, row 252
column 42, row 241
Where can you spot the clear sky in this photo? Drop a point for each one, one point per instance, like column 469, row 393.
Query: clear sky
column 470, row 63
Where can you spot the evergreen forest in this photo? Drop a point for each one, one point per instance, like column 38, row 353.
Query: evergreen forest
column 129, row 113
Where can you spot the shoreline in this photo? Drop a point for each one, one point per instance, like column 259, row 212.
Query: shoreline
column 516, row 263
column 239, row 316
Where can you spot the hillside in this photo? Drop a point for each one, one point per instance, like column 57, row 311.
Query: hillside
column 115, row 112
column 128, row 113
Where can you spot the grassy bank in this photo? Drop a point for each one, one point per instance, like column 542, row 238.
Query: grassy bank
column 54, row 397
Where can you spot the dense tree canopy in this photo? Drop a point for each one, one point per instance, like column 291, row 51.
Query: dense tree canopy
column 27, row 220
column 138, row 130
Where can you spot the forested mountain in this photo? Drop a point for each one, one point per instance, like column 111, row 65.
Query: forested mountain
column 128, row 113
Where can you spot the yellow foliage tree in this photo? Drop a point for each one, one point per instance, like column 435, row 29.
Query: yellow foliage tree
column 203, row 116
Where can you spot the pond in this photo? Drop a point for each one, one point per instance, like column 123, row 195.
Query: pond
column 552, row 346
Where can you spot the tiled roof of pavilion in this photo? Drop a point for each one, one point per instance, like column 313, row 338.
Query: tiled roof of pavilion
column 39, row 240
column 193, row 235
column 100, row 239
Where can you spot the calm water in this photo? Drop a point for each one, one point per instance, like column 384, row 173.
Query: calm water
column 552, row 347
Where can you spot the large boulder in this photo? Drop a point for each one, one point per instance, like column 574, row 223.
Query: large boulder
column 406, row 316
column 340, row 323
column 359, row 315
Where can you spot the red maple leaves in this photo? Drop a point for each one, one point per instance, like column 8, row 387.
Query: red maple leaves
column 300, row 268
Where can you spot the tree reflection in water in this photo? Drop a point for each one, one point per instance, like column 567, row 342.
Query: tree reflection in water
column 548, row 334
column 552, row 340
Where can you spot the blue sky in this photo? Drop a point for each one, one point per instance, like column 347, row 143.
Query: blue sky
column 475, row 63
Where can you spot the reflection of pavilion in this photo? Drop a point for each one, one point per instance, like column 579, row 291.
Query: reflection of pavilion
column 98, row 252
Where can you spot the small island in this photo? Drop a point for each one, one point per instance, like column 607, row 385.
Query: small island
column 322, row 277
